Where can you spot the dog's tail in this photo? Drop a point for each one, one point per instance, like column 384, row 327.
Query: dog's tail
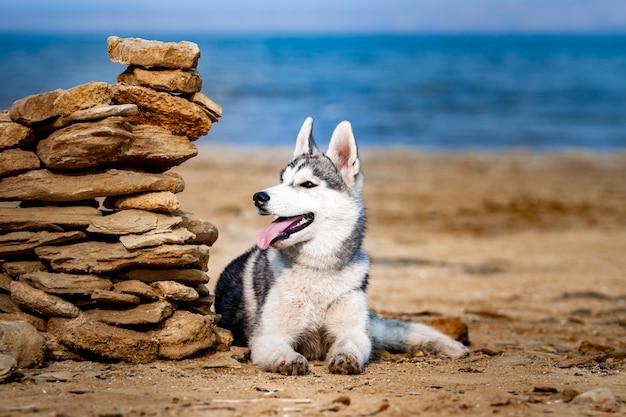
column 401, row 336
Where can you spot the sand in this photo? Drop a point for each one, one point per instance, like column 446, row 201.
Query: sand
column 527, row 249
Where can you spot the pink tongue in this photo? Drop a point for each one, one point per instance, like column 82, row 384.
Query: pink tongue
column 270, row 232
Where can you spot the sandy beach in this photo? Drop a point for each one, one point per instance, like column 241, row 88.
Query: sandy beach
column 528, row 249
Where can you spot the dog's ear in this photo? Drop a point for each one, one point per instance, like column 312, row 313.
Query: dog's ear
column 305, row 143
column 343, row 152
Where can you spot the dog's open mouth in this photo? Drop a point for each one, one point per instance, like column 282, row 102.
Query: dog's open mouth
column 281, row 228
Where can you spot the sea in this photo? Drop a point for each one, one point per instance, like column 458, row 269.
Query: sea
column 441, row 91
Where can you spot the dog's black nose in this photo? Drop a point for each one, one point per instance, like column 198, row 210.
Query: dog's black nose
column 260, row 198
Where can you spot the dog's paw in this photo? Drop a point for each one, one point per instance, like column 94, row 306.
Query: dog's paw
column 448, row 348
column 295, row 364
column 345, row 364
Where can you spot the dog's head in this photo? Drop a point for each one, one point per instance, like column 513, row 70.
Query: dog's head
column 319, row 195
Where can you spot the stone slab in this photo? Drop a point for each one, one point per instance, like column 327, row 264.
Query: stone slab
column 84, row 96
column 15, row 135
column 150, row 313
column 50, row 186
column 173, row 81
column 39, row 302
column 15, row 161
column 25, row 242
column 102, row 257
column 164, row 201
column 66, row 284
column 42, row 218
column 152, row 53
column 35, row 109
column 133, row 221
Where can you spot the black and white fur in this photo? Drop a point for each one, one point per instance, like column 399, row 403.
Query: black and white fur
column 304, row 296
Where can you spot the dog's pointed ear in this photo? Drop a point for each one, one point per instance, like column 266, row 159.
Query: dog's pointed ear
column 305, row 143
column 343, row 152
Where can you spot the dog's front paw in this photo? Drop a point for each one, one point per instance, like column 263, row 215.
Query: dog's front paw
column 345, row 364
column 295, row 364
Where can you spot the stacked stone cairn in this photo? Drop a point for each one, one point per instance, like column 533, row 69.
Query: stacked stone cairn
column 95, row 252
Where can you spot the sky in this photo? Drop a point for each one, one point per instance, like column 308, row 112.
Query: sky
column 314, row 16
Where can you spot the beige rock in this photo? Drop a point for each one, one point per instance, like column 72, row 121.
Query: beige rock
column 156, row 149
column 164, row 201
column 133, row 221
column 16, row 161
column 173, row 290
column 110, row 297
column 23, row 342
column 35, row 109
column 15, row 134
column 42, row 218
column 100, row 112
column 223, row 339
column 184, row 334
column 66, row 284
column 82, row 97
column 151, row 53
column 101, row 257
column 48, row 186
column 184, row 276
column 103, row 340
column 147, row 240
column 5, row 281
column 7, row 305
column 205, row 231
column 40, row 302
column 85, row 145
column 152, row 313
column 23, row 243
column 175, row 114
column 37, row 322
column 135, row 287
column 16, row 268
column 213, row 109
column 173, row 81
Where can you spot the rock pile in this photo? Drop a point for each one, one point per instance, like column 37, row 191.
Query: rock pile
column 95, row 251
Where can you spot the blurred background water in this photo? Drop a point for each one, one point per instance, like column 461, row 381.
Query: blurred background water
column 445, row 91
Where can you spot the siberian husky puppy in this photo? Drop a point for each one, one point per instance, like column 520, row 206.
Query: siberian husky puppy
column 300, row 293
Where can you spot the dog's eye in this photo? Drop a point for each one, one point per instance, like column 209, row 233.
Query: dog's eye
column 308, row 184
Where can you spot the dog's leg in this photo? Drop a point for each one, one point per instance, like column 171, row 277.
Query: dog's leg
column 401, row 336
column 346, row 323
column 273, row 353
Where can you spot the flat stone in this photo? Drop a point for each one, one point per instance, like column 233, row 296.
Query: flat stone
column 201, row 305
column 24, row 242
column 102, row 257
column 173, row 290
column 126, row 222
column 15, row 161
column 164, row 201
column 15, row 135
column 40, row 302
column 152, row 313
column 213, row 109
column 173, row 81
column 7, row 305
column 135, row 287
column 151, row 53
column 600, row 398
column 154, row 148
column 37, row 322
column 49, row 186
column 35, row 109
column 41, row 218
column 23, row 342
column 147, row 240
column 184, row 334
column 175, row 114
column 205, row 231
column 84, row 96
column 8, row 365
column 5, row 281
column 85, row 145
column 111, row 297
column 66, row 284
column 184, row 276
column 16, row 268
column 100, row 112
column 103, row 340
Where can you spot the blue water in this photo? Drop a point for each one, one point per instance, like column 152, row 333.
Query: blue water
column 434, row 91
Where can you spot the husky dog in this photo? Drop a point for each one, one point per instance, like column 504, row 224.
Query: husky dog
column 300, row 293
